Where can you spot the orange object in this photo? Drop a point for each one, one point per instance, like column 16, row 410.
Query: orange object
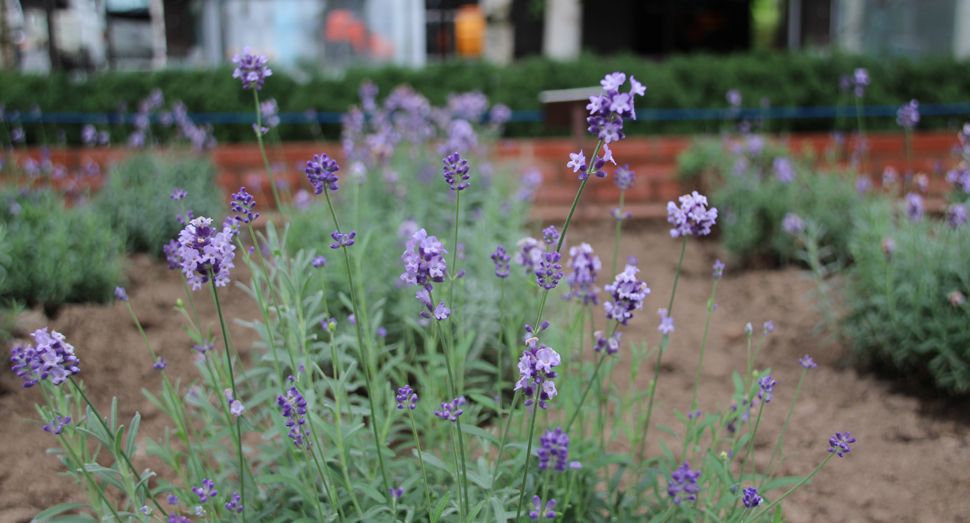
column 469, row 31
column 342, row 26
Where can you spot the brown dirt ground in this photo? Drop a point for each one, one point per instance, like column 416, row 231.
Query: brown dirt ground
column 908, row 465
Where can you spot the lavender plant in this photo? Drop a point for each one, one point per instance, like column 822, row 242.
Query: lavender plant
column 325, row 423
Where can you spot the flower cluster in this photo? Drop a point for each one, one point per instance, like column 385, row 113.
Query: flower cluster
column 234, row 505
column 692, row 217
column 611, row 344
column 839, row 443
column 159, row 364
column 243, row 204
column 549, row 271
column 501, row 259
column 538, row 512
column 206, row 491
column 767, row 388
column 178, row 194
column 318, row 261
column 236, row 407
column 550, row 235
column 582, row 280
column 666, row 322
column 450, row 410
column 908, row 115
column 251, row 69
column 914, row 206
column 623, row 177
column 608, row 109
column 425, row 264
column 536, row 374
column 784, row 170
column 578, row 163
column 52, row 358
column 683, row 480
column 793, row 224
column 406, row 397
column 206, row 253
column 342, row 240
column 807, row 362
column 529, row 254
column 751, row 498
column 456, row 171
column 322, row 173
column 293, row 407
column 956, row 215
column 121, row 294
column 718, row 269
column 57, row 424
column 627, row 294
column 554, row 444
column 860, row 79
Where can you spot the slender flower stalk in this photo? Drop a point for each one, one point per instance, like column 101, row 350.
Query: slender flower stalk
column 262, row 150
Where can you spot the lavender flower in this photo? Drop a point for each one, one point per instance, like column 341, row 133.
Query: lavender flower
column 406, row 397
column 396, row 493
column 956, row 215
column 293, row 407
column 342, row 240
column 206, row 491
column 767, row 388
column 120, row 294
column 251, row 69
column 52, row 358
column 733, row 97
column 529, row 254
column 235, row 505
column 914, row 206
column 554, row 444
column 501, row 259
column 536, row 374
column 205, row 347
column 381, row 332
column 666, row 323
column 888, row 246
column 611, row 107
column 243, row 204
column 456, row 172
column 425, row 264
column 550, row 235
column 322, row 173
column 627, row 293
column 146, row 510
column 538, row 512
column 718, row 269
column 269, row 111
column 178, row 194
column 784, row 170
column 863, row 184
column 57, row 424
column 736, row 418
column 692, row 217
column 839, row 443
column 549, row 271
column 531, row 180
column 623, row 177
column 159, row 364
column 319, row 261
column 582, row 280
column 500, row 114
column 860, row 79
column 908, row 115
column 178, row 518
column 807, row 362
column 89, row 135
column 578, row 163
column 205, row 253
column 683, row 480
column 619, row 215
column 461, row 137
column 751, row 497
column 769, row 327
column 611, row 344
column 173, row 499
column 451, row 410
column 236, row 407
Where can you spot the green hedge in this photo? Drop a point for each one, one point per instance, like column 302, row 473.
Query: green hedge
column 691, row 81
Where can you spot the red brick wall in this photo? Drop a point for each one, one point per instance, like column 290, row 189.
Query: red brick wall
column 654, row 159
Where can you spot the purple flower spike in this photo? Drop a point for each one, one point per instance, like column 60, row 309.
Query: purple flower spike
column 611, row 344
column 120, row 294
column 243, row 204
column 406, row 397
column 293, row 407
column 501, row 259
column 577, row 161
column 767, row 388
column 839, row 443
column 206, row 253
column 536, row 374
column 441, row 312
column 914, row 206
column 860, row 79
column 807, row 362
column 623, row 177
column 173, row 499
column 769, row 327
column 627, row 294
column 159, row 364
column 235, row 505
column 342, row 240
column 456, row 172
column 550, row 270
column 396, row 493
column 550, row 235
column 908, row 115
column 666, row 323
column 178, row 194
column 539, row 512
column 206, row 491
column 582, row 280
column 319, row 261
column 751, row 497
column 718, row 269
column 56, row 425
column 792, row 224
column 251, row 69
column 692, row 217
column 52, row 358
column 450, row 410
column 554, row 444
column 683, row 480
column 322, row 173
column 956, row 215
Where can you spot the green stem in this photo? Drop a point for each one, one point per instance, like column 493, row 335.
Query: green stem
column 582, row 399
column 528, row 458
column 232, row 383
column 700, row 363
column 424, row 475
column 262, row 150
column 501, row 350
column 582, row 186
column 616, row 239
column 454, row 393
column 778, row 447
column 92, row 481
column 796, row 487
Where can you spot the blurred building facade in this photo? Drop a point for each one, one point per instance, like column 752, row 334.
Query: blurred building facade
column 149, row 34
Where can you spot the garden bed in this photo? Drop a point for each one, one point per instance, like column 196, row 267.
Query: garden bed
column 902, row 468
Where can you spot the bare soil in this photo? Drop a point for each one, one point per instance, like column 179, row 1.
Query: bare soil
column 910, row 462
